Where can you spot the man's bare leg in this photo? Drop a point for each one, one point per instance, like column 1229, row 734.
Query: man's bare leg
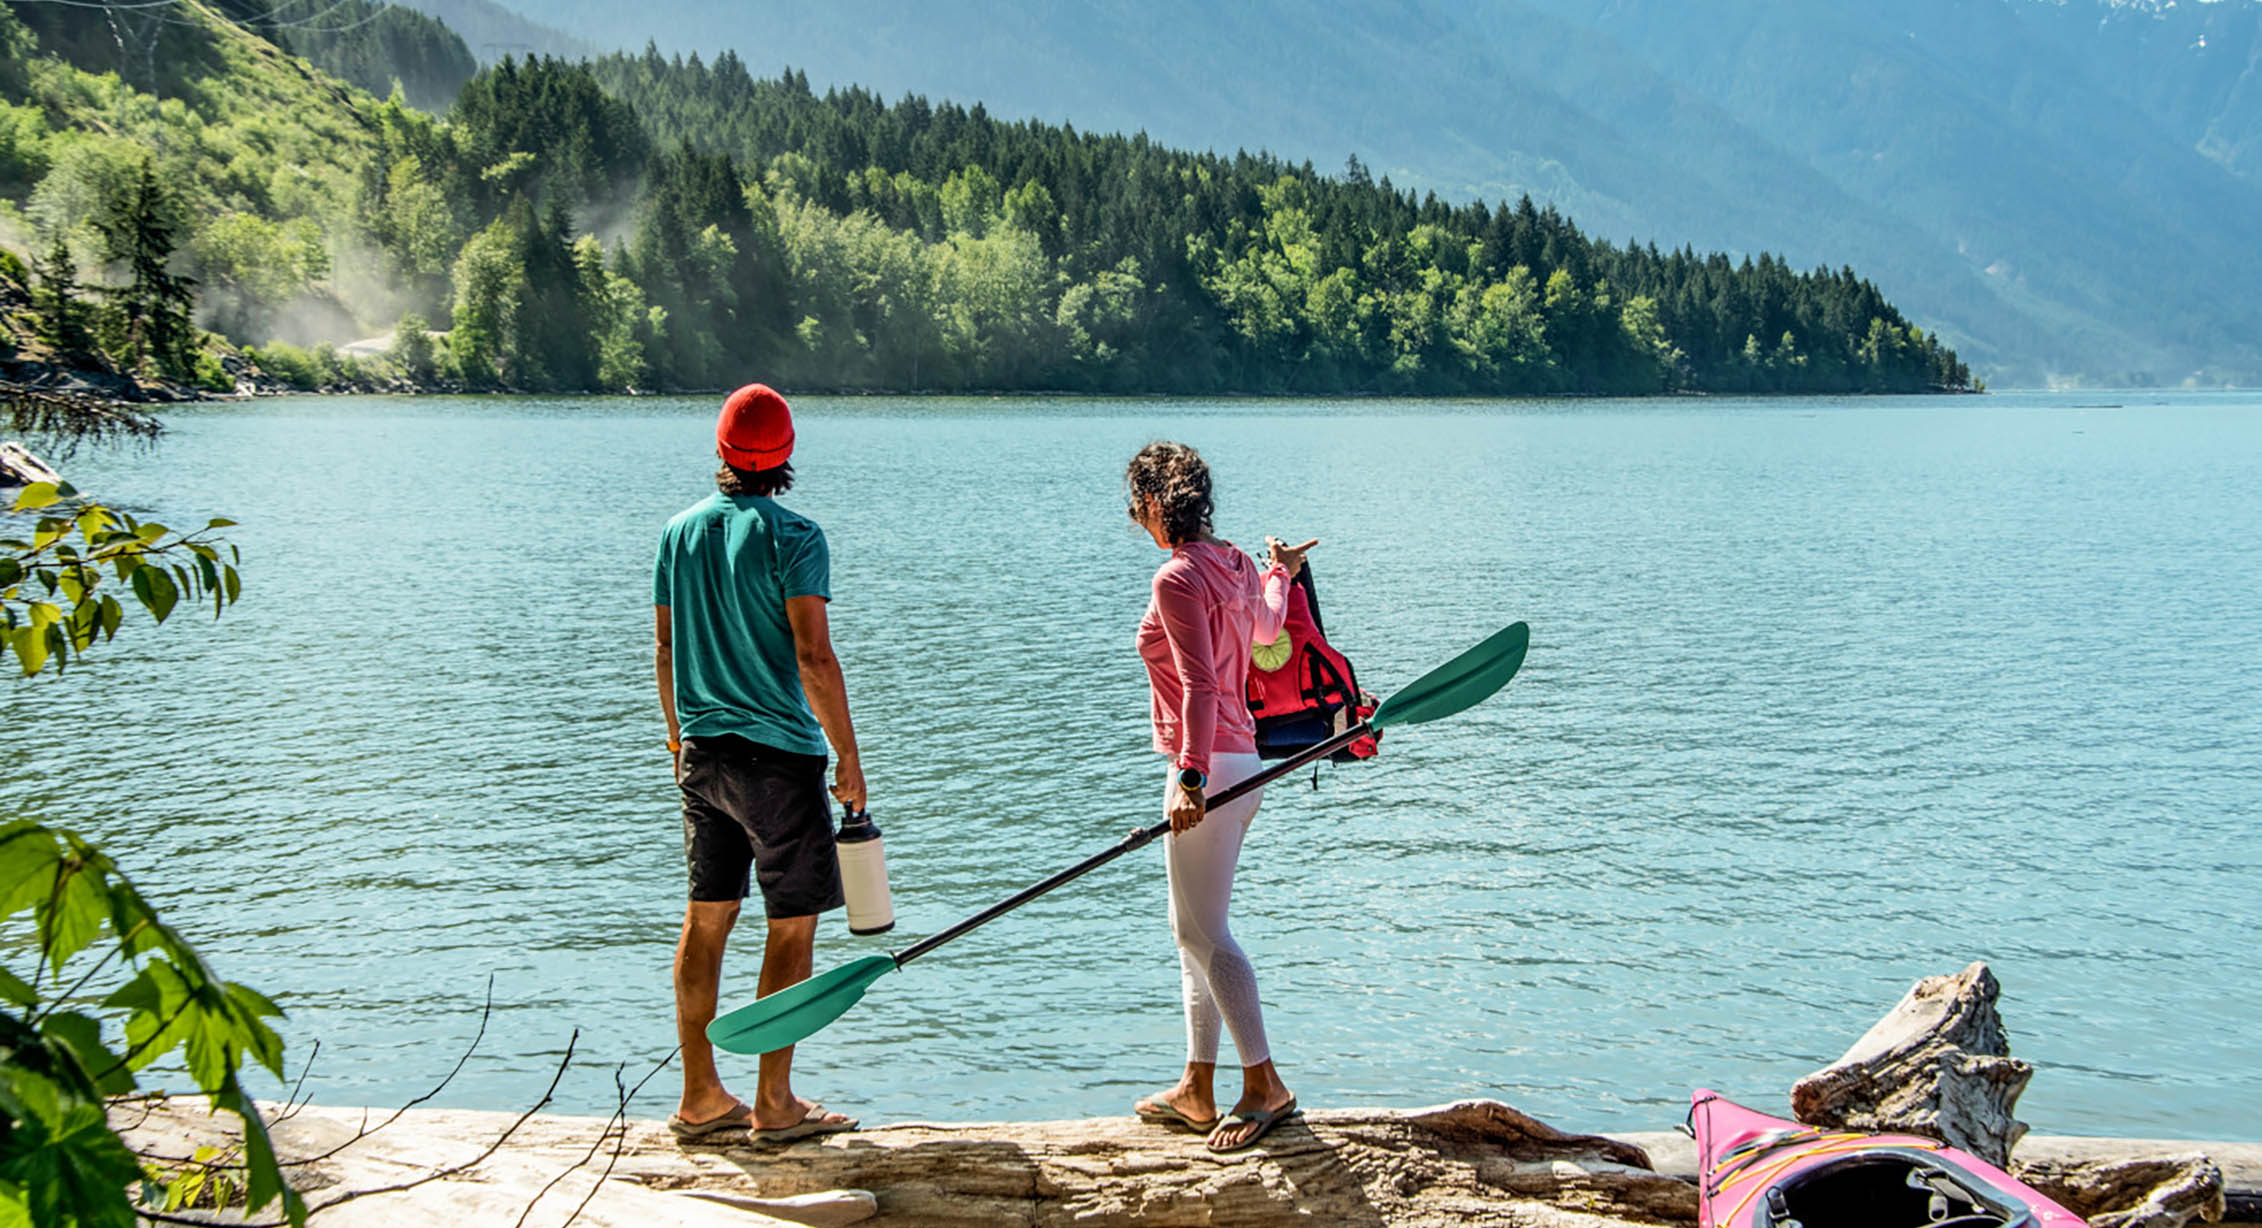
column 698, row 975
column 786, row 960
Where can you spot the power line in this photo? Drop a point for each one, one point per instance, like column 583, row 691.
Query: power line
column 306, row 23
column 101, row 4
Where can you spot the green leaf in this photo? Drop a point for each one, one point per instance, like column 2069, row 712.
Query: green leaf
column 29, row 855
column 72, row 915
column 254, row 1001
column 231, row 582
column 14, row 1211
column 14, row 991
column 156, row 590
column 112, row 615
column 11, row 571
column 142, row 995
column 84, row 622
column 39, row 495
column 82, row 1036
column 264, row 1174
column 74, row 1170
column 219, row 522
column 30, row 644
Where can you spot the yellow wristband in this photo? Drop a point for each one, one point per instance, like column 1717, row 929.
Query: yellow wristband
column 674, row 747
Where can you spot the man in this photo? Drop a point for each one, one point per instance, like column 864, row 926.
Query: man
column 752, row 695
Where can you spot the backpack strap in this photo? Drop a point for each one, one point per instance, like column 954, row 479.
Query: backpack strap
column 1311, row 595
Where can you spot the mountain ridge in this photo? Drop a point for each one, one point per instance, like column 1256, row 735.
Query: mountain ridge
column 2038, row 258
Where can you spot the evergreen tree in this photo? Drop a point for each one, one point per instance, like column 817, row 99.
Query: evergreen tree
column 61, row 318
column 152, row 309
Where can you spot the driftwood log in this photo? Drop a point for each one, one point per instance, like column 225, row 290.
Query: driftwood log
column 1476, row 1163
column 1473, row 1163
column 1938, row 1065
column 2120, row 1192
column 18, row 467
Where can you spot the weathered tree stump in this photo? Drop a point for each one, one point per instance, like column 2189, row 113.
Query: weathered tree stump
column 2150, row 1192
column 1938, row 1065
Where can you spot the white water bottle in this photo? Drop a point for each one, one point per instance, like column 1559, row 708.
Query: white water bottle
column 864, row 873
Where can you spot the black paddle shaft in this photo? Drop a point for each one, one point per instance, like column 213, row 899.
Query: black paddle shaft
column 1136, row 840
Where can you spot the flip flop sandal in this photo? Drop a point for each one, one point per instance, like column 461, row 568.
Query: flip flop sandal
column 1156, row 1111
column 1262, row 1120
column 809, row 1126
column 740, row 1118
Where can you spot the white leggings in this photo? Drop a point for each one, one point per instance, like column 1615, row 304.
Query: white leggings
column 1218, row 981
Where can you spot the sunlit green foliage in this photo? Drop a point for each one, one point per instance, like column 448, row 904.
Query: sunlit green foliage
column 753, row 226
column 1059, row 259
column 543, row 128
column 56, row 586
column 310, row 370
column 109, row 989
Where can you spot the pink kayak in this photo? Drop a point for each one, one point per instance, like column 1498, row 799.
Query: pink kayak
column 1756, row 1171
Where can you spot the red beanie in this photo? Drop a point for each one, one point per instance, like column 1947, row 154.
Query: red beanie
column 755, row 430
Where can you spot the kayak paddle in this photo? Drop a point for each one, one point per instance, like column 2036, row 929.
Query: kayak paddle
column 801, row 1010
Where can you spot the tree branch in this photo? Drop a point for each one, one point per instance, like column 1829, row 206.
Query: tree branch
column 291, row 1103
column 485, row 1013
column 475, row 1161
column 161, row 1217
column 620, row 1118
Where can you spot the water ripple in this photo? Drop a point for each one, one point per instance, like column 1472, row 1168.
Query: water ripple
column 1816, row 705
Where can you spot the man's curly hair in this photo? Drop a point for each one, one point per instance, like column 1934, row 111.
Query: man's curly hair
column 732, row 480
column 1175, row 477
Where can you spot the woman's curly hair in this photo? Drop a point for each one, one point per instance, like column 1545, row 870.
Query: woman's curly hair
column 1175, row 477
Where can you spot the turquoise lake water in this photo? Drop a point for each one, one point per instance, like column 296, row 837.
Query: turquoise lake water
column 1823, row 696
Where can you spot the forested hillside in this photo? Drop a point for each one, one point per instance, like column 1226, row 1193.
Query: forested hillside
column 375, row 45
column 2060, row 187
column 642, row 221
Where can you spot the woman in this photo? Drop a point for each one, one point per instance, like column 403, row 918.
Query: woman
column 1210, row 606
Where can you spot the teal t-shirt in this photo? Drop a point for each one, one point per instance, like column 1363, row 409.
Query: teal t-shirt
column 726, row 566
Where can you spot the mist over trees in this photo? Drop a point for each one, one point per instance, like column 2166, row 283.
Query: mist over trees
column 641, row 221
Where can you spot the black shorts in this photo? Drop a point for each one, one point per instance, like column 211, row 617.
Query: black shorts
column 750, row 806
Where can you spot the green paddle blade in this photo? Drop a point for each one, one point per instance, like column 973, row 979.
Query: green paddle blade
column 1462, row 682
column 797, row 1011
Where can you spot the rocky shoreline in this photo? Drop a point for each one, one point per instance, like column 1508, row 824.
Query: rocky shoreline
column 1476, row 1162
column 1937, row 1065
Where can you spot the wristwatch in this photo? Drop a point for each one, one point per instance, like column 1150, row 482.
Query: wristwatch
column 1191, row 780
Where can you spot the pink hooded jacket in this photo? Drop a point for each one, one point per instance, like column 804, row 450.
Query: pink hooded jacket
column 1210, row 605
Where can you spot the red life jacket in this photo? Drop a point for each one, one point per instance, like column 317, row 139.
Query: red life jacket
column 1310, row 693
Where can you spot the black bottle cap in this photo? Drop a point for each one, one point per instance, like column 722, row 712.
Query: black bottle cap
column 856, row 826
